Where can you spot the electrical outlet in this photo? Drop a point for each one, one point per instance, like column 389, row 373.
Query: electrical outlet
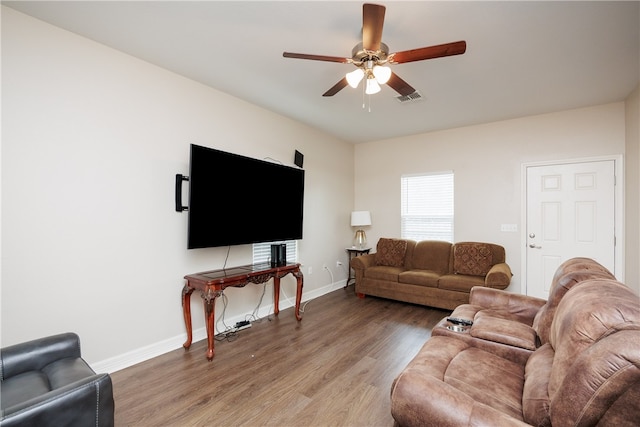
column 324, row 266
column 310, row 270
column 338, row 264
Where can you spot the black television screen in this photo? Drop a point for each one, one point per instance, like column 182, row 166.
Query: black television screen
column 235, row 200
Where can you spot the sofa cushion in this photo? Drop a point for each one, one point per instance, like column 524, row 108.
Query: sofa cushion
column 419, row 277
column 493, row 326
column 589, row 312
column 391, row 252
column 535, row 396
column 23, row 387
column 432, row 255
column 459, row 282
column 381, row 272
column 471, row 258
column 448, row 372
column 603, row 383
column 560, row 284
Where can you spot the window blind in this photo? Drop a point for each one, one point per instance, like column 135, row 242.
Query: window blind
column 262, row 251
column 427, row 206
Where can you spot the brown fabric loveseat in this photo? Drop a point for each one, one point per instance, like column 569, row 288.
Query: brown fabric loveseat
column 433, row 273
column 584, row 371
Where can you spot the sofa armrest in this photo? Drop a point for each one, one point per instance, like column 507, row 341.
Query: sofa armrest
column 429, row 401
column 521, row 305
column 499, row 276
column 82, row 403
column 34, row 355
column 363, row 261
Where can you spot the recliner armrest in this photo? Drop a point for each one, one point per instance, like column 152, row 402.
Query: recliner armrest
column 85, row 402
column 35, row 354
column 505, row 301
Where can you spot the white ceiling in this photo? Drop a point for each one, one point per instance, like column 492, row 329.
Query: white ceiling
column 522, row 58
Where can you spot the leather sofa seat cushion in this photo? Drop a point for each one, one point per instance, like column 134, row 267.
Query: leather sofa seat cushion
column 391, row 252
column 380, row 272
column 459, row 282
column 24, row 387
column 31, row 384
column 448, row 370
column 492, row 326
column 420, row 277
column 535, row 396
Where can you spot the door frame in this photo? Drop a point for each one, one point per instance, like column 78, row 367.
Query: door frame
column 619, row 219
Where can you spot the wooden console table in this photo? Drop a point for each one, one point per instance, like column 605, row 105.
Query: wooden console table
column 212, row 283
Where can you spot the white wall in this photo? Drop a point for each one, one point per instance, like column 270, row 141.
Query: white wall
column 486, row 160
column 632, row 180
column 91, row 243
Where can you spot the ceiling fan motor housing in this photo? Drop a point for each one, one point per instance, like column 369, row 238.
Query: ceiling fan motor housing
column 360, row 55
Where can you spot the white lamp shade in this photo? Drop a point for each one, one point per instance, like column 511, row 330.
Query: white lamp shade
column 354, row 77
column 360, row 218
column 372, row 87
column 382, row 74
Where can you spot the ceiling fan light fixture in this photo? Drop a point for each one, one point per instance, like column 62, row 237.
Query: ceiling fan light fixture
column 372, row 86
column 382, row 73
column 354, row 77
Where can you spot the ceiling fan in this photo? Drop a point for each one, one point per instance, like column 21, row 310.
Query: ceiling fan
column 371, row 56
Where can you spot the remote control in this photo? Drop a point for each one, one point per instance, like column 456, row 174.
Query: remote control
column 459, row 321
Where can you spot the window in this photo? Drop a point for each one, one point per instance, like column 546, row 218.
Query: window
column 427, row 207
column 262, row 251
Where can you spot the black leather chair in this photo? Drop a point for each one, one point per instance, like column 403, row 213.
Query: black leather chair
column 45, row 382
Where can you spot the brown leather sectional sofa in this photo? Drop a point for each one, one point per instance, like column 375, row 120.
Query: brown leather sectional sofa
column 433, row 273
column 573, row 360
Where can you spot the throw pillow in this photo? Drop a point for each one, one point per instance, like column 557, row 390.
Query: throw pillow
column 473, row 259
column 390, row 252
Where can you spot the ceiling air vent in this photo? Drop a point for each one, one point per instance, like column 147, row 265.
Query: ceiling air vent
column 415, row 96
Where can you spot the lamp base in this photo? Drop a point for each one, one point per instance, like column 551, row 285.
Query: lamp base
column 360, row 239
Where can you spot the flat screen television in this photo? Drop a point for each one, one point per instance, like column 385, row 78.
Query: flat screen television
column 235, row 200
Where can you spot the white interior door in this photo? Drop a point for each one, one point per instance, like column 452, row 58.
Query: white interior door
column 570, row 213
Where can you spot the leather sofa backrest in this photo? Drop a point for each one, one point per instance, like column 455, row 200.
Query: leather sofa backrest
column 577, row 264
column 584, row 331
column 431, row 255
column 603, row 384
column 559, row 287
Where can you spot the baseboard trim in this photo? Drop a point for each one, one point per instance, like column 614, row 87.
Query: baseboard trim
column 142, row 354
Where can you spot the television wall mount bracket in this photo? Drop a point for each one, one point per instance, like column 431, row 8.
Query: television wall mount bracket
column 179, row 179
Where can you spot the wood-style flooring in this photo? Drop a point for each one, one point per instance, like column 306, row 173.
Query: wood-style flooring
column 333, row 368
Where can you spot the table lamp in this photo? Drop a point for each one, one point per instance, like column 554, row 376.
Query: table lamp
column 360, row 219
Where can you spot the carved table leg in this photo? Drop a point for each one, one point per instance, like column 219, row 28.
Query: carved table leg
column 298, row 275
column 276, row 295
column 209, row 315
column 186, row 312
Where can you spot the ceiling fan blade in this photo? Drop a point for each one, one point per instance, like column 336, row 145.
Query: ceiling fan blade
column 399, row 85
column 372, row 23
column 315, row 57
column 447, row 49
column 337, row 87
